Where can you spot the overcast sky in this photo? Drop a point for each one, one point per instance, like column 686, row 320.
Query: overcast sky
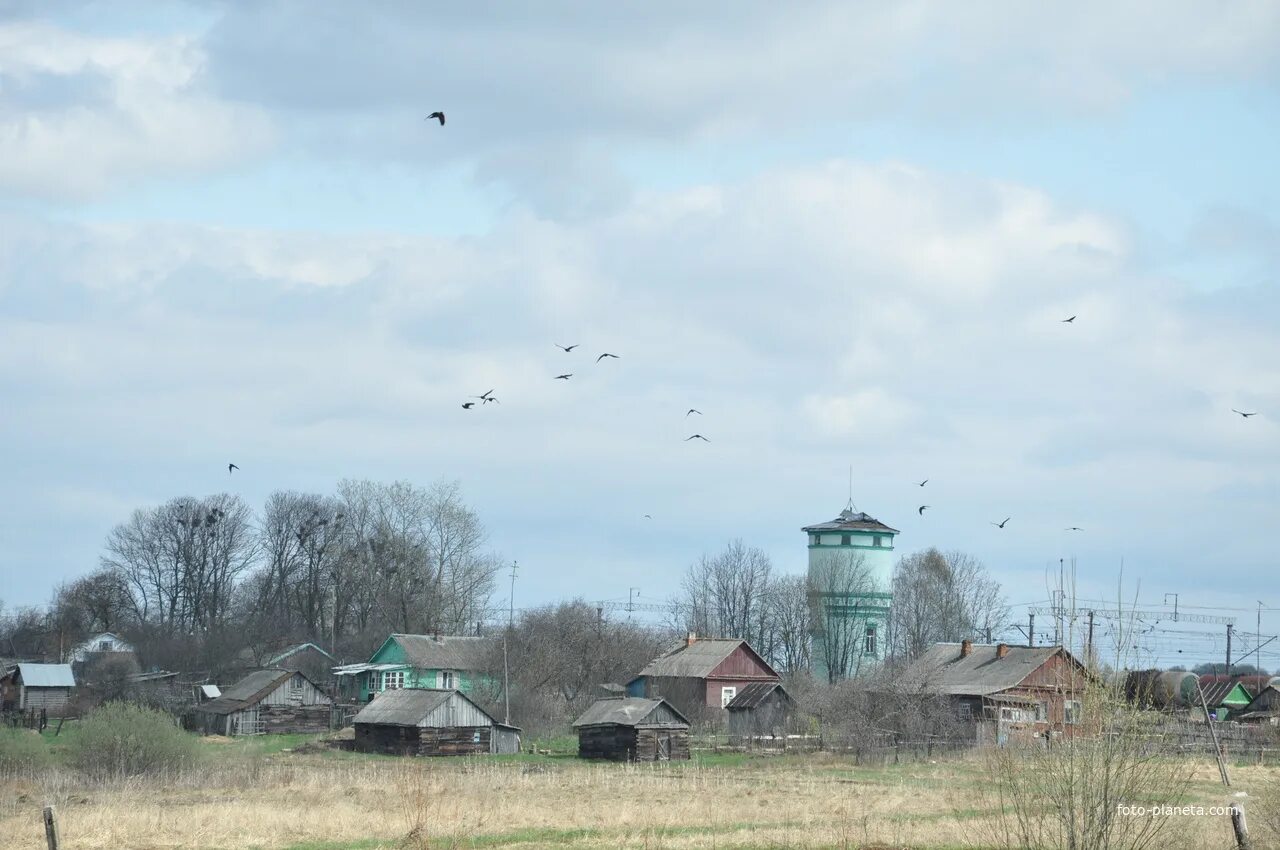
column 845, row 232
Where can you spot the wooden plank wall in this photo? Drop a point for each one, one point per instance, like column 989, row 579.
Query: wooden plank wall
column 455, row 741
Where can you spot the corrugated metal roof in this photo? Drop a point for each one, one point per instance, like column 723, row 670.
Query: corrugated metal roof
column 47, row 675
column 354, row 669
column 299, row 648
column 754, row 695
column 695, row 660
column 402, row 706
column 850, row 520
column 448, row 652
column 248, row 691
column 631, row 711
column 210, row 691
column 1216, row 693
column 942, row 670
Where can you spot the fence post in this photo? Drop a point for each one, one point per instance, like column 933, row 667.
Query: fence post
column 1241, row 828
column 50, row 828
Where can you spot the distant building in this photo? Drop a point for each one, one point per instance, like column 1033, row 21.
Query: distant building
column 443, row 662
column 100, row 644
column 32, row 687
column 1224, row 695
column 264, row 702
column 701, row 676
column 761, row 709
column 431, row 722
column 632, row 729
column 851, row 565
column 1263, row 709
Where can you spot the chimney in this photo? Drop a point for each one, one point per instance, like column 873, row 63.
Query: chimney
column 966, row 647
column 1002, row 649
column 691, row 639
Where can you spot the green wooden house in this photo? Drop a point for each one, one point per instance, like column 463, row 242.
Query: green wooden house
column 421, row 661
column 1224, row 696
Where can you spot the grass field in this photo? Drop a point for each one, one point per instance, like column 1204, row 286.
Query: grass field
column 284, row 792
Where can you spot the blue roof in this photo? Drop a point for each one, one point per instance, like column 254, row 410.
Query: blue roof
column 46, row 675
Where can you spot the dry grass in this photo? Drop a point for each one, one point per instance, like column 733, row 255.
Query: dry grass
column 294, row 800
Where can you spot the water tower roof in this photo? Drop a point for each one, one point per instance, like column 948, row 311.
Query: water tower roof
column 851, row 520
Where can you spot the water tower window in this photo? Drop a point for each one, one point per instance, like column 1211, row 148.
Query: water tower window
column 870, row 646
column 845, row 540
column 815, row 539
column 877, row 541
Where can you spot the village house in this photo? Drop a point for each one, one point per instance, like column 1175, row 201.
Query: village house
column 1224, row 695
column 701, row 676
column 632, row 729
column 266, row 702
column 1006, row 693
column 36, row 687
column 1263, row 709
column 100, row 644
column 444, row 662
column 761, row 709
column 430, row 722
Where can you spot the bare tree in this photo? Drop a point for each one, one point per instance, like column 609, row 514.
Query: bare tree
column 791, row 622
column 841, row 608
column 943, row 597
column 727, row 595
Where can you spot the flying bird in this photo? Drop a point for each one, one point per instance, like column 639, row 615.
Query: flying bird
column 646, row 516
column 922, row 509
column 693, row 410
column 564, row 377
column 437, row 115
column 606, row 354
column 1242, row 413
column 486, row 397
column 922, row 483
column 1001, row 524
column 1069, row 321
column 230, row 467
column 566, row 348
column 1073, row 528
column 467, row 405
column 697, row 437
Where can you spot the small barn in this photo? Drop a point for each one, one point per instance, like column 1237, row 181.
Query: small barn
column 761, row 709
column 1224, row 696
column 1263, row 710
column 431, row 722
column 632, row 729
column 266, row 702
column 32, row 687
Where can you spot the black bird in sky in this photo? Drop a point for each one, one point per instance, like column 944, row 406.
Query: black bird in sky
column 646, row 516
column 693, row 410
column 1001, row 524
column 697, row 437
column 486, row 398
column 566, row 348
column 467, row 405
column 1073, row 528
column 606, row 354
column 1069, row 321
column 1242, row 413
column 922, row 509
column 922, row 483
column 230, row 467
column 437, row 115
column 564, row 377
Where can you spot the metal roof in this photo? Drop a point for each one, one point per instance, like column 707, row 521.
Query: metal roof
column 850, row 520
column 446, row 652
column 1216, row 693
column 210, row 691
column 249, row 691
column 631, row 711
column 755, row 694
column 695, row 660
column 942, row 670
column 402, row 706
column 46, row 675
column 296, row 649
column 354, row 669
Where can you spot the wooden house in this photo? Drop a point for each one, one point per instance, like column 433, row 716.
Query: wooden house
column 1224, row 695
column 1008, row 693
column 761, row 709
column 266, row 702
column 431, row 722
column 1263, row 710
column 444, row 662
column 632, row 729
column 35, row 687
column 103, row 643
column 700, row 677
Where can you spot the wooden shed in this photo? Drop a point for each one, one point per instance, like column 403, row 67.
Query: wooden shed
column 265, row 702
column 431, row 722
column 632, row 729
column 32, row 687
column 761, row 709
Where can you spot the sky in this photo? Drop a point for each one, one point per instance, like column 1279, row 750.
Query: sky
column 846, row 233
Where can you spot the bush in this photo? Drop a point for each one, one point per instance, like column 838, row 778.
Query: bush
column 22, row 750
column 120, row 739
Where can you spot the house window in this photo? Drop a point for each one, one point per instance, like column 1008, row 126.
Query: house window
column 877, row 540
column 964, row 711
column 869, row 646
column 1071, row 711
column 845, row 539
column 1042, row 712
column 104, row 646
column 392, row 680
column 447, row 679
column 727, row 695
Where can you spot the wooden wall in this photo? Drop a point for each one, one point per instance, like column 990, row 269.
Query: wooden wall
column 428, row 741
column 628, row 743
column 294, row 719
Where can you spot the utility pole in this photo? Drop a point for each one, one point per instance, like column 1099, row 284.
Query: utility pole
column 1229, row 628
column 506, row 667
column 632, row 593
column 1088, row 652
column 1175, row 604
column 1031, row 630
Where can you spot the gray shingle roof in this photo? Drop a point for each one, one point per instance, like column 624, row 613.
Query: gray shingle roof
column 942, row 670
column 754, row 695
column 448, row 652
column 46, row 675
column 850, row 520
column 631, row 711
column 248, row 691
column 402, row 706
column 695, row 661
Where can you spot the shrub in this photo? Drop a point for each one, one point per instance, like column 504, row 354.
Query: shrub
column 22, row 750
column 120, row 739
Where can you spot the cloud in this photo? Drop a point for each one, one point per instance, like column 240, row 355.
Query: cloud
column 83, row 114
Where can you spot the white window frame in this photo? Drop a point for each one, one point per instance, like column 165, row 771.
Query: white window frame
column 1071, row 712
column 392, row 680
column 727, row 695
column 871, row 641
column 448, row 680
column 1042, row 712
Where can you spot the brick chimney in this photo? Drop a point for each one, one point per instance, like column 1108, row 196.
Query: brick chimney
column 966, row 647
column 1002, row 649
column 691, row 639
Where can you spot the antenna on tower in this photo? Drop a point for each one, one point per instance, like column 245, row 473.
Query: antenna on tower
column 850, row 506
